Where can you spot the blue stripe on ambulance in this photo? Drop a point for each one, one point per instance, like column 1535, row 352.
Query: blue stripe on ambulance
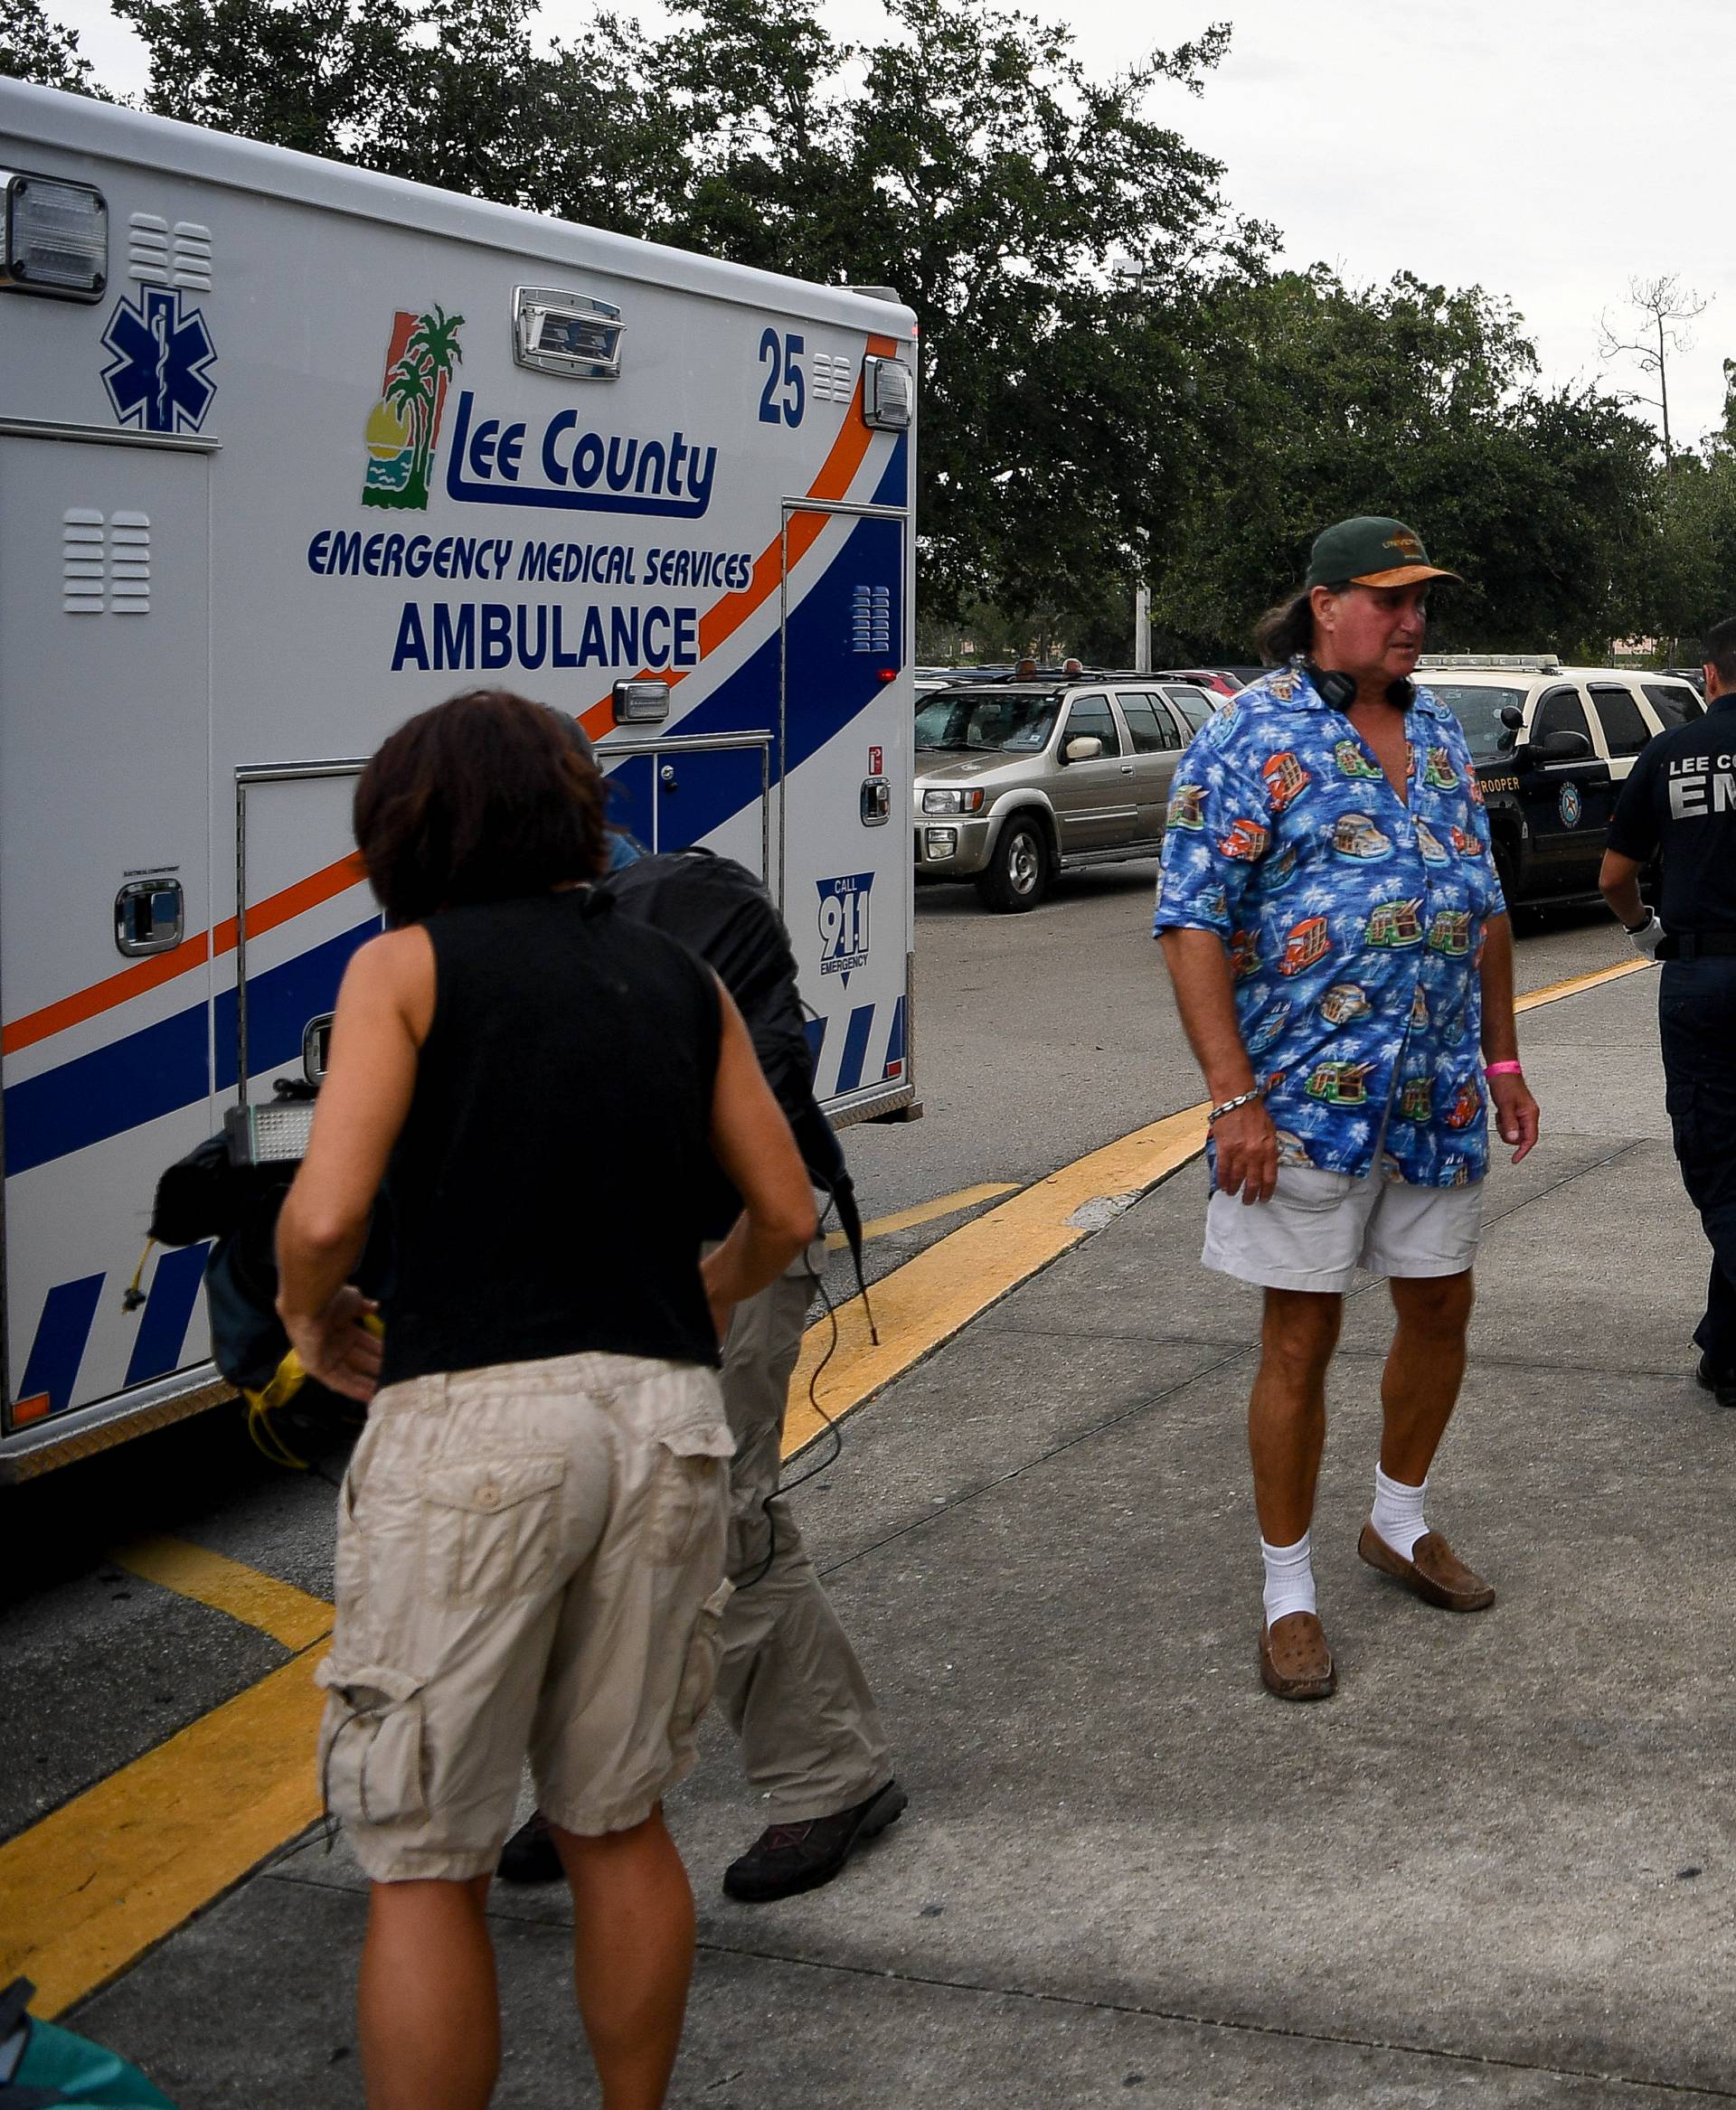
column 163, row 1068
column 895, row 486
column 168, row 1313
column 895, row 1039
column 61, row 1332
column 855, row 1047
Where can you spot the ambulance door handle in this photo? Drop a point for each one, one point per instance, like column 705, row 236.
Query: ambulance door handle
column 666, row 777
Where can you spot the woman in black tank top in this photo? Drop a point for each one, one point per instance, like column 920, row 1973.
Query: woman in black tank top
column 530, row 1549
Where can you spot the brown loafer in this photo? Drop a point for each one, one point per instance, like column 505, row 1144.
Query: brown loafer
column 1434, row 1572
column 1295, row 1662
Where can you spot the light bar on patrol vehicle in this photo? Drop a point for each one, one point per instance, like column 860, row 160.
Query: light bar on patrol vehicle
column 53, row 237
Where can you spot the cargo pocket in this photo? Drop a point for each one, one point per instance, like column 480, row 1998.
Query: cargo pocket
column 371, row 1744
column 490, row 1526
column 689, row 1482
column 699, row 1673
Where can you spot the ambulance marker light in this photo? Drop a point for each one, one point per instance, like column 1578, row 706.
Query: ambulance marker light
column 887, row 674
column 55, row 237
column 34, row 1409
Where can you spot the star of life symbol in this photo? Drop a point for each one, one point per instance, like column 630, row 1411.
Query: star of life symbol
column 159, row 378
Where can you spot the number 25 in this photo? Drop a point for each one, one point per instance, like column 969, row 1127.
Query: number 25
column 795, row 399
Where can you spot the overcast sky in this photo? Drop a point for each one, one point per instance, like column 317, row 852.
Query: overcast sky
column 1550, row 150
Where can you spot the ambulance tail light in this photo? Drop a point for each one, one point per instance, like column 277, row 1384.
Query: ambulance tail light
column 53, row 237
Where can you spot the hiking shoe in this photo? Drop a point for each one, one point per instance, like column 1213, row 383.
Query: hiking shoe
column 1721, row 1384
column 789, row 1858
column 529, row 1855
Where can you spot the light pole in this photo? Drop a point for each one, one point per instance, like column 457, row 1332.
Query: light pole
column 1131, row 272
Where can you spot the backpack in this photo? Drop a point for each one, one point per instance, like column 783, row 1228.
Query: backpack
column 41, row 2066
column 717, row 908
column 229, row 1192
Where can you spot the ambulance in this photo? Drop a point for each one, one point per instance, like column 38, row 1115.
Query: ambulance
column 288, row 451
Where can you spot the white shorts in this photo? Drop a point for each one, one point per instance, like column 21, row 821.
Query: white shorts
column 1319, row 1228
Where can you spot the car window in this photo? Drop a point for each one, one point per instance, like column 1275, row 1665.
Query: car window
column 1478, row 710
column 1674, row 705
column 969, row 720
column 1194, row 705
column 1091, row 714
column 1560, row 711
column 1151, row 726
column 1624, row 722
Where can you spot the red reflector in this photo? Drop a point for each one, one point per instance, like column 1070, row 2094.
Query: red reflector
column 894, row 1069
column 34, row 1409
column 887, row 674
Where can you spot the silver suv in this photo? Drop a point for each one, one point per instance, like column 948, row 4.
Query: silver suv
column 1016, row 780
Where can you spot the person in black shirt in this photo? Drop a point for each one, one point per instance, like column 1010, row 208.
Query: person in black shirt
column 530, row 1542
column 1679, row 806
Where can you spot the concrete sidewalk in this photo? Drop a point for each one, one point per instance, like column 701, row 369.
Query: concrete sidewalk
column 1497, row 1868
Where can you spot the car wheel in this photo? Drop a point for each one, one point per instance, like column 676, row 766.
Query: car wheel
column 1018, row 873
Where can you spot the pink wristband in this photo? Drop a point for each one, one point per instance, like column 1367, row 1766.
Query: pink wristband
column 1504, row 1070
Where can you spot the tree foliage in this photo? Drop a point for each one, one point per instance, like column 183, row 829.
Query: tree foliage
column 34, row 48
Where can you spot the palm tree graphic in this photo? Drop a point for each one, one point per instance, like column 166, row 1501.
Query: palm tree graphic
column 413, row 390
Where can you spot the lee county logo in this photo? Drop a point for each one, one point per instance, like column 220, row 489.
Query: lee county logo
column 404, row 425
column 160, row 377
column 1571, row 806
column 844, row 923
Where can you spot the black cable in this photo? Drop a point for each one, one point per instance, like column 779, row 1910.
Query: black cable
column 826, row 1463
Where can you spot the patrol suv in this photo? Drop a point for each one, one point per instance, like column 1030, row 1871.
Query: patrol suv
column 1552, row 746
column 1016, row 780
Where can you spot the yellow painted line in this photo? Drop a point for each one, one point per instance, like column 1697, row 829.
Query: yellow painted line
column 92, row 1887
column 1553, row 992
column 920, row 1304
column 926, row 1211
column 288, row 1615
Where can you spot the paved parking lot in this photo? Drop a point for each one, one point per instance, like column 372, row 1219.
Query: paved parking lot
column 1497, row 1868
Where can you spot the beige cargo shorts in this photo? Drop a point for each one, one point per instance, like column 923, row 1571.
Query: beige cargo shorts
column 530, row 1560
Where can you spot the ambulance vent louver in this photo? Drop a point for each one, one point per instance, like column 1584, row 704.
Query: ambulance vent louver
column 870, row 619
column 834, row 380
column 162, row 255
column 105, row 565
column 81, row 565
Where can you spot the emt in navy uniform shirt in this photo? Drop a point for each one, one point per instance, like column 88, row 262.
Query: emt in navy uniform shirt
column 1679, row 805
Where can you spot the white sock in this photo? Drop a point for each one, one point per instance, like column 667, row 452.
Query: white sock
column 1397, row 1514
column 1289, row 1579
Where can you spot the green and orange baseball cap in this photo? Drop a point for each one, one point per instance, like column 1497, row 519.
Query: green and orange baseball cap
column 1372, row 550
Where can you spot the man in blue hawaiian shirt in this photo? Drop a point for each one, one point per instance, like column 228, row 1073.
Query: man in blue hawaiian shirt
column 1343, row 963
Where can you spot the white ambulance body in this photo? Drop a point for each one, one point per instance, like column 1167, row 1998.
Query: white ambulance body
column 288, row 451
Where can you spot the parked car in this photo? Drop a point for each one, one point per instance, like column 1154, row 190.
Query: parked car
column 1214, row 681
column 1016, row 780
column 1552, row 746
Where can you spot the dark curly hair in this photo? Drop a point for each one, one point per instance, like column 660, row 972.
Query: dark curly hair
column 484, row 799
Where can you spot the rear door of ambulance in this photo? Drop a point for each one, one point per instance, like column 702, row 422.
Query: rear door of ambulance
column 104, row 880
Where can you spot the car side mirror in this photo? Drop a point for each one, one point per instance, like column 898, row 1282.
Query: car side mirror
column 1562, row 745
column 1511, row 717
column 1084, row 747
